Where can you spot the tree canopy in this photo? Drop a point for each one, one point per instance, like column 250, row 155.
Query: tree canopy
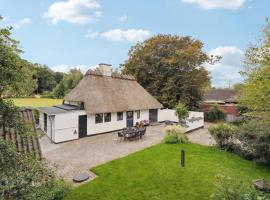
column 255, row 93
column 69, row 81
column 170, row 68
column 15, row 75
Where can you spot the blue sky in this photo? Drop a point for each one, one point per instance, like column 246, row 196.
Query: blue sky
column 83, row 33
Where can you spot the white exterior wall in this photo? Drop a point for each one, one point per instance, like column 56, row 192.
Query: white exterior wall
column 66, row 126
column 93, row 128
column 170, row 115
column 195, row 124
column 50, row 125
column 167, row 114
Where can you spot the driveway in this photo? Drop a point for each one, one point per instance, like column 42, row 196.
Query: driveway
column 80, row 155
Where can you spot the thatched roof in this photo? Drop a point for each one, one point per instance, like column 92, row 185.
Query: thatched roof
column 221, row 95
column 101, row 94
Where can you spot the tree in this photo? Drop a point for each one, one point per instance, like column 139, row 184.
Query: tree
column 170, row 68
column 255, row 93
column 181, row 111
column 69, row 81
column 14, row 72
column 45, row 77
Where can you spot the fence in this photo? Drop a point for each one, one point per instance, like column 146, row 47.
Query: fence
column 194, row 121
column 23, row 143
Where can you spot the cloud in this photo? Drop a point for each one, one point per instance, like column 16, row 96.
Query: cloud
column 132, row 35
column 122, row 18
column 213, row 4
column 73, row 11
column 65, row 68
column 21, row 23
column 226, row 72
column 92, row 34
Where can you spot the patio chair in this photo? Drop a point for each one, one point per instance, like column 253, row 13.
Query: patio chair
column 120, row 135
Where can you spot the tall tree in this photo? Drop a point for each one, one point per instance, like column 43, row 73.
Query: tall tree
column 45, row 77
column 69, row 81
column 256, row 90
column 15, row 74
column 170, row 68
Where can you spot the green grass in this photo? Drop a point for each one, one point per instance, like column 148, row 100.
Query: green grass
column 36, row 102
column 154, row 173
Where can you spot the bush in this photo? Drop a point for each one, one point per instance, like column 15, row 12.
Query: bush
column 223, row 133
column 255, row 139
column 215, row 114
column 229, row 189
column 175, row 134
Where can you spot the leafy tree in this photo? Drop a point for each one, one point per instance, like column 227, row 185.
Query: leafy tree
column 58, row 77
column 256, row 90
column 170, row 68
column 69, row 81
column 14, row 72
column 45, row 77
column 181, row 111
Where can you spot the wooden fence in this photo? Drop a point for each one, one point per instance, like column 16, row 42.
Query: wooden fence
column 25, row 143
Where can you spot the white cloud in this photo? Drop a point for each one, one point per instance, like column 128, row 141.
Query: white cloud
column 73, row 11
column 122, row 18
column 132, row 35
column 226, row 71
column 65, row 68
column 92, row 34
column 21, row 23
column 213, row 4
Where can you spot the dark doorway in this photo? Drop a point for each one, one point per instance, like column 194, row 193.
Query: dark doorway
column 153, row 115
column 45, row 122
column 82, row 126
column 129, row 118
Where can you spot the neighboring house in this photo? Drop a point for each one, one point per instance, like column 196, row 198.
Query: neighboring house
column 225, row 98
column 103, row 101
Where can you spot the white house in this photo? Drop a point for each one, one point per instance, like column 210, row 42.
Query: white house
column 103, row 101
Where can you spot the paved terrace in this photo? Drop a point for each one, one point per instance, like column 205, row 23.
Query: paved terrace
column 80, row 155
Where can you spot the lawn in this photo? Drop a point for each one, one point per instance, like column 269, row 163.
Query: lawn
column 36, row 102
column 154, row 173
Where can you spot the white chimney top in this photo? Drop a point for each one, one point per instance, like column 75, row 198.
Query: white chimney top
column 105, row 69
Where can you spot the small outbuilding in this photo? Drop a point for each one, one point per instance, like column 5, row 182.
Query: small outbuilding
column 227, row 99
column 103, row 101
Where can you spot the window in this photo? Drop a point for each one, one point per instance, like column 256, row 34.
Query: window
column 107, row 117
column 119, row 116
column 138, row 114
column 99, row 118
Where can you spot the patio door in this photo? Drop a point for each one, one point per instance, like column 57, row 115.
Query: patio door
column 153, row 115
column 82, row 126
column 129, row 118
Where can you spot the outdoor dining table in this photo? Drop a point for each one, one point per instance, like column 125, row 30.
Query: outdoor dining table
column 133, row 132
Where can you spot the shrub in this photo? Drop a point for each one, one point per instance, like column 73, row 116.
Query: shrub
column 255, row 139
column 215, row 114
column 181, row 111
column 223, row 133
column 229, row 189
column 175, row 134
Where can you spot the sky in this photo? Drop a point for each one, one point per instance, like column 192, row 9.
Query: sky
column 64, row 34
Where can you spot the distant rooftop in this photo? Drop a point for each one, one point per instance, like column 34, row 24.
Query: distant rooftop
column 221, row 95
